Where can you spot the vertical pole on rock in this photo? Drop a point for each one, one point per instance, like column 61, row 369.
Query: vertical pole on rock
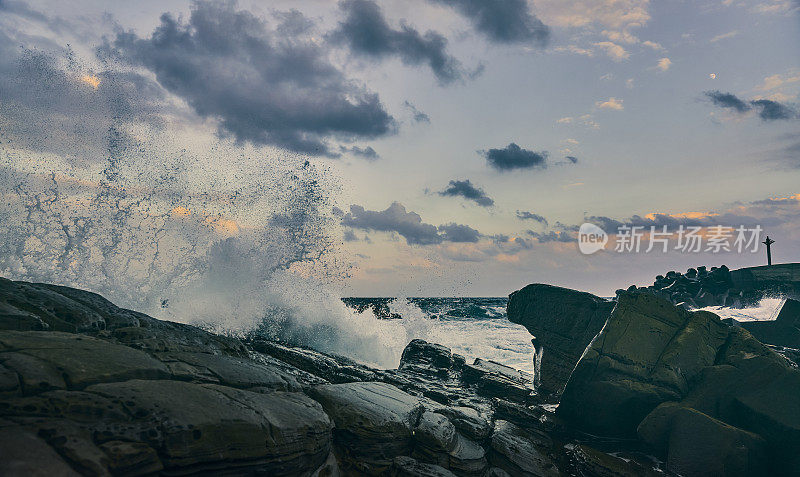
column 768, row 242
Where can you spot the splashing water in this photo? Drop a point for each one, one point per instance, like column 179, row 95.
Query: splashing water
column 767, row 309
column 174, row 224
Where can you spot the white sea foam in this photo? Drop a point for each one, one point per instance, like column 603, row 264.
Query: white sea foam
column 767, row 309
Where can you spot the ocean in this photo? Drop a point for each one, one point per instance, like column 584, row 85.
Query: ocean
column 479, row 328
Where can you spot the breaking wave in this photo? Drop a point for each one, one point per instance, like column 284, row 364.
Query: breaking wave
column 231, row 238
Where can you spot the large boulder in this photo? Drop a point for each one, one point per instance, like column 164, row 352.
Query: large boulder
column 727, row 383
column 784, row 330
column 698, row 444
column 563, row 322
column 647, row 354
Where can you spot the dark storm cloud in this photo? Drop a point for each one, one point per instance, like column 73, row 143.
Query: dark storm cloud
column 408, row 225
column 773, row 110
column 514, row 157
column 263, row 86
column 367, row 153
column 459, row 233
column 468, row 191
column 350, row 236
column 394, row 219
column 551, row 236
column 418, row 115
column 503, row 21
column 768, row 110
column 525, row 215
column 366, row 32
column 727, row 100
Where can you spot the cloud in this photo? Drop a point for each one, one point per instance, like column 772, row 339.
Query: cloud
column 262, row 85
column 611, row 103
column 773, row 110
column 525, row 215
column 459, row 233
column 621, row 15
column 652, row 44
column 350, row 236
column 572, row 159
column 724, row 36
column 551, row 236
column 366, row 32
column 408, row 225
column 727, row 100
column 394, row 219
column 468, row 191
column 778, row 81
column 503, row 21
column 418, row 115
column 664, row 64
column 367, row 153
column 768, row 110
column 614, row 51
column 514, row 157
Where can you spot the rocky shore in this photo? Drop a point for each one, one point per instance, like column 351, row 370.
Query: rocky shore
column 87, row 388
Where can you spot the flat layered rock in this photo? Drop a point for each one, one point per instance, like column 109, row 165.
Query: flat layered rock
column 373, row 422
column 56, row 360
column 228, row 370
column 203, row 425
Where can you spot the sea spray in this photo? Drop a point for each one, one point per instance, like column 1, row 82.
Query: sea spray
column 231, row 237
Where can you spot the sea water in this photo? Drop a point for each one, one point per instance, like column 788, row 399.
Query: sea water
column 479, row 328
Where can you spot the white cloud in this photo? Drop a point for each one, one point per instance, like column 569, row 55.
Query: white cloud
column 725, row 36
column 618, row 15
column 575, row 49
column 776, row 7
column 620, row 36
column 614, row 51
column 778, row 81
column 664, row 64
column 612, row 103
column 587, row 121
column 654, row 45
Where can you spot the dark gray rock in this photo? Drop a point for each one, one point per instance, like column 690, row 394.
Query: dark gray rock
column 651, row 352
column 521, row 453
column 75, row 361
column 405, row 466
column 203, row 426
column 783, row 331
column 563, row 322
column 698, row 444
column 374, row 423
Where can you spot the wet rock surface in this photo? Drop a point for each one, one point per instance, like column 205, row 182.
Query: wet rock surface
column 93, row 389
column 87, row 388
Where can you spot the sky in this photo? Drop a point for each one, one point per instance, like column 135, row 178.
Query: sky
column 461, row 143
